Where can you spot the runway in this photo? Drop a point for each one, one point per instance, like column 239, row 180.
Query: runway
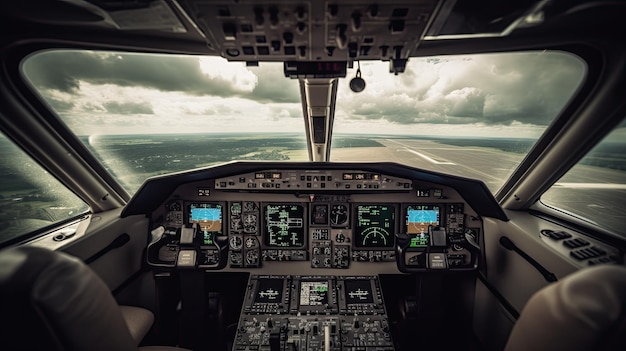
column 597, row 194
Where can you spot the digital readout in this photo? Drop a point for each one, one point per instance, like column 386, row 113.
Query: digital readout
column 420, row 217
column 313, row 293
column 208, row 216
column 358, row 292
column 284, row 225
column 269, row 291
column 375, row 225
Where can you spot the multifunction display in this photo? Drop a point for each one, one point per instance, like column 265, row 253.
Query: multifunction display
column 328, row 231
column 313, row 313
column 269, row 291
column 208, row 217
column 358, row 292
column 313, row 293
column 418, row 219
column 284, row 225
column 375, row 225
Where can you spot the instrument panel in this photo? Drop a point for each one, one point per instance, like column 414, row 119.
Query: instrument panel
column 313, row 313
column 313, row 222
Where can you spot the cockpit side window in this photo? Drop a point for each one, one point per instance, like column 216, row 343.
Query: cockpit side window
column 31, row 199
column 595, row 188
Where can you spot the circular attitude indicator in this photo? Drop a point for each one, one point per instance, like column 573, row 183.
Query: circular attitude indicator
column 250, row 223
column 339, row 215
column 420, row 217
column 374, row 237
column 208, row 216
column 236, row 243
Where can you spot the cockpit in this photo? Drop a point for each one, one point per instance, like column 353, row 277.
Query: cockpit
column 313, row 175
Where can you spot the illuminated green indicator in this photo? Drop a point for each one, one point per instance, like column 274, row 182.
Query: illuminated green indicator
column 419, row 241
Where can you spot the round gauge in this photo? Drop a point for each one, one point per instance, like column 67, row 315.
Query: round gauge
column 236, row 242
column 339, row 215
column 251, row 243
column 235, row 224
column 252, row 257
column 250, row 223
column 374, row 237
column 235, row 209
column 249, row 206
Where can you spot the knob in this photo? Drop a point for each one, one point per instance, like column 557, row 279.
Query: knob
column 340, row 237
column 273, row 16
column 300, row 12
column 288, row 37
column 356, row 21
column 258, row 16
column 332, row 10
column 301, row 27
column 373, row 10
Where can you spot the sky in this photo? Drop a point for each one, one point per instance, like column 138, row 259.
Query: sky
column 490, row 95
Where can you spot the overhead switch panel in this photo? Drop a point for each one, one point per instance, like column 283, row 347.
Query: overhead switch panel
column 353, row 30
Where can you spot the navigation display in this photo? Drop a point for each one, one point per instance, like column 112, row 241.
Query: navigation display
column 269, row 291
column 358, row 291
column 208, row 216
column 284, row 226
column 314, row 293
column 375, row 226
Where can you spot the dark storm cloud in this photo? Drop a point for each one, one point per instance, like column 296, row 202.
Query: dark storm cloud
column 489, row 89
column 462, row 106
column 395, row 108
column 529, row 88
column 273, row 86
column 467, row 102
column 129, row 108
column 64, row 71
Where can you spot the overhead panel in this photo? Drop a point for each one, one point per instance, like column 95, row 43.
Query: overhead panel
column 289, row 31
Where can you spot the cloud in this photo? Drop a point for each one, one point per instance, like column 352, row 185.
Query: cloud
column 173, row 93
column 273, row 86
column 60, row 105
column 286, row 111
column 497, row 89
column 129, row 108
column 65, row 70
column 203, row 76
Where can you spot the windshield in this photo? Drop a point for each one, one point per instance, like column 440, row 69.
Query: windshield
column 144, row 114
column 474, row 116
